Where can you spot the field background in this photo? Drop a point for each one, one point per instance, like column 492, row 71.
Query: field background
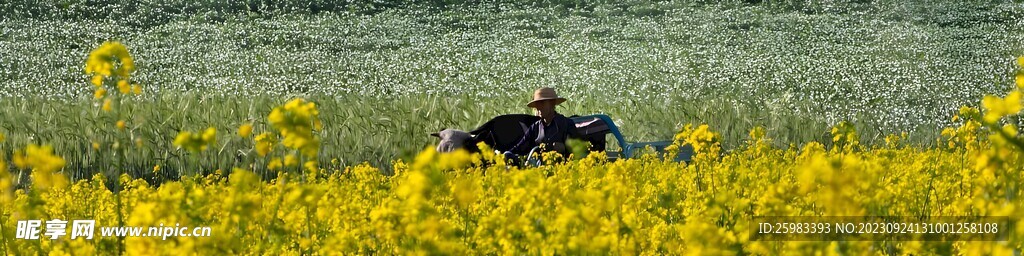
column 386, row 73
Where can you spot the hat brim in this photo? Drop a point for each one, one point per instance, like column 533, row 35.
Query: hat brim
column 533, row 103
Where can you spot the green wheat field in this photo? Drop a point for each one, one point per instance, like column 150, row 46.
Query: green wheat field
column 384, row 74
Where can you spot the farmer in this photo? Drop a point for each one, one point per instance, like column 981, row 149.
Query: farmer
column 551, row 130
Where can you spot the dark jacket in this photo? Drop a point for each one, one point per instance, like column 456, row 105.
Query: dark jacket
column 559, row 130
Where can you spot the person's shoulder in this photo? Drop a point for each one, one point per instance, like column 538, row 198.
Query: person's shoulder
column 563, row 119
column 536, row 124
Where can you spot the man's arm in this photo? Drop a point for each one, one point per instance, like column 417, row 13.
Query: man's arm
column 526, row 142
column 572, row 131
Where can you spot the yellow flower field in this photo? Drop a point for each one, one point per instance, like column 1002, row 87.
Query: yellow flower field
column 461, row 204
column 446, row 204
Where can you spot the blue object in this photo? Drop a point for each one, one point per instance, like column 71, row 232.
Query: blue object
column 594, row 128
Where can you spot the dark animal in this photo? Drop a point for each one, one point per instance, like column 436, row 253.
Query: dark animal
column 501, row 133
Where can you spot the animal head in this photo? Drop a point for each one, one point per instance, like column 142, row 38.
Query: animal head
column 452, row 140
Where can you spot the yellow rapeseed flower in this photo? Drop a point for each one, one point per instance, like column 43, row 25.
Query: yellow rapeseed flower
column 844, row 136
column 245, row 130
column 274, row 164
column 120, row 124
column 110, row 58
column 196, row 142
column 997, row 108
column 296, row 121
column 6, row 184
column 137, row 89
column 123, row 86
column 100, row 93
column 1020, row 80
column 106, row 105
column 38, row 158
column 757, row 133
column 1020, row 74
column 702, row 138
column 291, row 160
column 156, row 168
column 265, row 142
column 210, row 135
column 466, row 192
column 310, row 166
column 97, row 81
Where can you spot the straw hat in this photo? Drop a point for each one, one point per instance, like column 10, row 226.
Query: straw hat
column 543, row 94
